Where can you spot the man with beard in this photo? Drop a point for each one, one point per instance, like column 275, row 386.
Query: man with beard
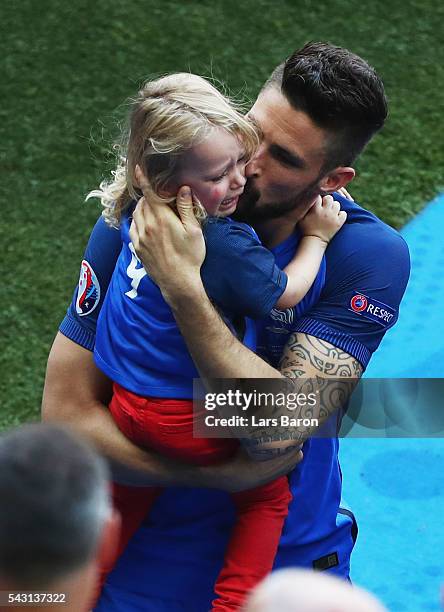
column 317, row 112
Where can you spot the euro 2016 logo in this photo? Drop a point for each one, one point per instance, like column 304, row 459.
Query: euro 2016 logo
column 359, row 303
column 88, row 293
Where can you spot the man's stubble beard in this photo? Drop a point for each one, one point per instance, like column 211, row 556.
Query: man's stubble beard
column 248, row 211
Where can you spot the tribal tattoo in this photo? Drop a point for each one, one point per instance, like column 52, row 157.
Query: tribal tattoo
column 310, row 366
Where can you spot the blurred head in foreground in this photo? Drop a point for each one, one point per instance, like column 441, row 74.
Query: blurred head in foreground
column 295, row 590
column 56, row 522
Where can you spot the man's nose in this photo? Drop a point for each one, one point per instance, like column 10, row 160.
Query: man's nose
column 254, row 166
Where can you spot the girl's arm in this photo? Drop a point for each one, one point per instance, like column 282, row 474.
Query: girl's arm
column 320, row 224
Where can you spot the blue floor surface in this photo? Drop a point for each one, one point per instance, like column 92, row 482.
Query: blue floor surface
column 415, row 346
column 396, row 486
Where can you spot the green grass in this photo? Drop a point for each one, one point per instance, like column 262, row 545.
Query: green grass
column 67, row 67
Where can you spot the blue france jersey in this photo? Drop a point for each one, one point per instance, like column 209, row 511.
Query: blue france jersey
column 138, row 342
column 274, row 330
column 172, row 562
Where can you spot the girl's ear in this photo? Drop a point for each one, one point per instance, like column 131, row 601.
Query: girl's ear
column 166, row 193
column 169, row 189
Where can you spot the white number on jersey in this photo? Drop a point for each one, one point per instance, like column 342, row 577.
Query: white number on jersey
column 136, row 274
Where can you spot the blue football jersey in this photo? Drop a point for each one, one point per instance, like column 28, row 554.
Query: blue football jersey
column 138, row 343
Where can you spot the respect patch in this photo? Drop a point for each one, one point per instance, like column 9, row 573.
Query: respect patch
column 372, row 309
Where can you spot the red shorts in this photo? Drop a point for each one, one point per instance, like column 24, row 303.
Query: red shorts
column 166, row 426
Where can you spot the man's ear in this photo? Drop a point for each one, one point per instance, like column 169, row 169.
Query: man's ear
column 337, row 178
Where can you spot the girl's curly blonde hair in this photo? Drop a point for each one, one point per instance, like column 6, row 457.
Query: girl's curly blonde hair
column 169, row 116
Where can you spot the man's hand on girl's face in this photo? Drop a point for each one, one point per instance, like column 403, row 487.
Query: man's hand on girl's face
column 171, row 247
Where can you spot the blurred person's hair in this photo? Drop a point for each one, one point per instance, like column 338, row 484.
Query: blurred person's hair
column 54, row 503
column 340, row 93
column 169, row 116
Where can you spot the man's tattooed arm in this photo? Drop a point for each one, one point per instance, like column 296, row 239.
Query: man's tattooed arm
column 218, row 354
column 308, row 356
column 310, row 365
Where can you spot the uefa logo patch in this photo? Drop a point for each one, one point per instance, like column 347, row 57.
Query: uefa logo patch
column 88, row 293
column 358, row 303
column 372, row 309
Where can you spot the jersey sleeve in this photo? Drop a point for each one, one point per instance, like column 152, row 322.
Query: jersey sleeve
column 238, row 273
column 367, row 274
column 99, row 260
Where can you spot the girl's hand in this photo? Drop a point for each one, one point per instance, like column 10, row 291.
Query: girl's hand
column 345, row 194
column 323, row 220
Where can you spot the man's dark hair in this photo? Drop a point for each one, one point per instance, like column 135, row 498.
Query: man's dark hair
column 339, row 91
column 53, row 504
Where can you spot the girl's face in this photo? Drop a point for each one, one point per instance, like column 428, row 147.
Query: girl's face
column 215, row 172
